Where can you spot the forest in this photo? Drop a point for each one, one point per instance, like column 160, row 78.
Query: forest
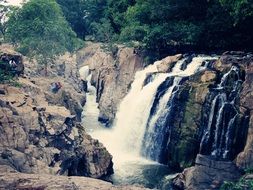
column 164, row 25
column 159, row 27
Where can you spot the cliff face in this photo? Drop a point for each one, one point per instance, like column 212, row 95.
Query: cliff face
column 245, row 158
column 39, row 128
column 111, row 74
column 217, row 123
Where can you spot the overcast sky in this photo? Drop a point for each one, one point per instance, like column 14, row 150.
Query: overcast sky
column 14, row 2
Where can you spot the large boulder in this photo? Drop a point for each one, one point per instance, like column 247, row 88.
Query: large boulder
column 207, row 174
column 167, row 63
column 182, row 143
column 245, row 158
column 209, row 171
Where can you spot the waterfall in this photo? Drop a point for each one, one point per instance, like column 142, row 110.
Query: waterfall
column 91, row 111
column 135, row 119
column 137, row 134
column 125, row 137
column 218, row 137
column 162, row 114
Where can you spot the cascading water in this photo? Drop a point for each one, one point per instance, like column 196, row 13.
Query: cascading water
column 91, row 111
column 219, row 135
column 141, row 119
column 164, row 108
column 124, row 142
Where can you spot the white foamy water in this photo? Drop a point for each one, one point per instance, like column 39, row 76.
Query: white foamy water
column 124, row 139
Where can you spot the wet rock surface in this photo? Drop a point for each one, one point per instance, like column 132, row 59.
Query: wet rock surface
column 167, row 63
column 228, row 138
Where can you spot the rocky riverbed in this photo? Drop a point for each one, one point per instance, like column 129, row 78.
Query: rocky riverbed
column 40, row 133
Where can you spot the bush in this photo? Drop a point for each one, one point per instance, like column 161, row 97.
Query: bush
column 242, row 184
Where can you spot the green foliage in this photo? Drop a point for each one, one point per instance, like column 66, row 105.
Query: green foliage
column 161, row 25
column 239, row 9
column 74, row 12
column 82, row 13
column 102, row 30
column 5, row 11
column 39, row 30
column 116, row 11
column 249, row 171
column 242, row 184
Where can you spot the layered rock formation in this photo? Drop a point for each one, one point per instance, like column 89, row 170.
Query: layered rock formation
column 38, row 137
column 221, row 134
column 111, row 74
column 39, row 129
column 245, row 159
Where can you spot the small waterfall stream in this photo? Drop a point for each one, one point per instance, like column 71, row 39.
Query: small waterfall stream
column 219, row 135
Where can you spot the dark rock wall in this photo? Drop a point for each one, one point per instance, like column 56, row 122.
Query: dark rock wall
column 221, row 147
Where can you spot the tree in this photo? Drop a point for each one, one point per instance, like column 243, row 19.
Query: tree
column 5, row 11
column 239, row 9
column 74, row 11
column 115, row 12
column 81, row 14
column 39, row 30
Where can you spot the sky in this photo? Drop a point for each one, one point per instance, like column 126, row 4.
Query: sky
column 14, row 2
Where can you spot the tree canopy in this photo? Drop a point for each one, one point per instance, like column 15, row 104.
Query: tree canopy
column 40, row 30
column 161, row 25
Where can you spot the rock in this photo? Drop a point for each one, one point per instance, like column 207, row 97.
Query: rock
column 245, row 159
column 207, row 174
column 168, row 62
column 8, row 55
column 208, row 76
column 34, row 136
column 111, row 75
column 90, row 159
column 67, row 96
column 2, row 91
column 182, row 146
column 69, row 100
column 13, row 181
column 23, row 162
